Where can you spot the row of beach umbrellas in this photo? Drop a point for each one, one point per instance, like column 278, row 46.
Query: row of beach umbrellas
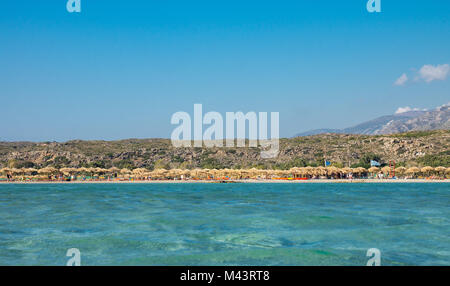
column 295, row 172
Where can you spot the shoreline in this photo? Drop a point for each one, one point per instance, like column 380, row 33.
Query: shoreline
column 251, row 181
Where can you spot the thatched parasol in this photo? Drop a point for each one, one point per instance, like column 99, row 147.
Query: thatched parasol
column 374, row 170
column 346, row 170
column 48, row 171
column 139, row 171
column 413, row 171
column 82, row 170
column 427, row 171
column 386, row 170
column 125, row 171
column 400, row 170
column 160, row 173
column 16, row 171
column 253, row 173
column 92, row 170
column 31, row 170
column 332, row 171
column 440, row 170
column 5, row 171
column 113, row 170
column 68, row 171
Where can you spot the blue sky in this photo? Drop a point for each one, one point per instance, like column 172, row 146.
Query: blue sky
column 120, row 69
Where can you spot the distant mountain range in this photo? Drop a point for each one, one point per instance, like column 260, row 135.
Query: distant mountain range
column 438, row 118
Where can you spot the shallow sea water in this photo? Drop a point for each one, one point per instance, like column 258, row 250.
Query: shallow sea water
column 225, row 224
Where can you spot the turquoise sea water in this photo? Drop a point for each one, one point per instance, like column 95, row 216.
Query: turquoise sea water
column 225, row 224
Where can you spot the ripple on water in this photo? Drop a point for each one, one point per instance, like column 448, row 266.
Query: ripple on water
column 225, row 224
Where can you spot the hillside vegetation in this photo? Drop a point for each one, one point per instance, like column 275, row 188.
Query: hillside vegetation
column 421, row 148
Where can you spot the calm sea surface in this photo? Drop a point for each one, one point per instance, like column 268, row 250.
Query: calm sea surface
column 225, row 224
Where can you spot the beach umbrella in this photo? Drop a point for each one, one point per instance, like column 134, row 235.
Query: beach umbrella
column 125, row 171
column 295, row 171
column 241, row 172
column 332, row 171
column 400, row 170
column 196, row 173
column 361, row 171
column 175, row 173
column 440, row 170
column 356, row 171
column 309, row 171
column 16, row 171
column 48, row 171
column 269, row 174
column 100, row 171
column 233, row 173
column 67, row 171
column 346, row 170
column 172, row 173
column 139, row 171
column 161, row 173
column 227, row 172
column 5, row 171
column 180, row 173
column 413, row 171
column 208, row 173
column 304, row 171
column 238, row 173
column 82, row 170
column 31, row 170
column 113, row 170
column 278, row 173
column 219, row 173
column 91, row 170
column 213, row 173
column 253, row 173
column 185, row 173
column 263, row 173
column 157, row 173
column 245, row 174
column 447, row 171
column 427, row 171
column 152, row 174
column 204, row 173
column 320, row 171
column 386, row 170
column 374, row 170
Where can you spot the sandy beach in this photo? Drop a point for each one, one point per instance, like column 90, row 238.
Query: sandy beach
column 312, row 181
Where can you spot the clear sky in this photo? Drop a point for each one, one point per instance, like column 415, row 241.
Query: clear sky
column 120, row 69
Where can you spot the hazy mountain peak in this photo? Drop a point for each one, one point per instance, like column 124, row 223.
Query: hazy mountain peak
column 409, row 120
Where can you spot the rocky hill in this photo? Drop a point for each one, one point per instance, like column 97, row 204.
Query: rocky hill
column 438, row 118
column 412, row 148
